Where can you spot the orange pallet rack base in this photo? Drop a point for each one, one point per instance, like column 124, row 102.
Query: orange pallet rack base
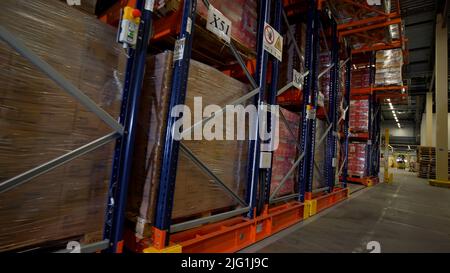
column 366, row 181
column 239, row 232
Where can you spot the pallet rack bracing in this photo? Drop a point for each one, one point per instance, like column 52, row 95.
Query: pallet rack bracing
column 122, row 131
column 261, row 216
column 260, row 219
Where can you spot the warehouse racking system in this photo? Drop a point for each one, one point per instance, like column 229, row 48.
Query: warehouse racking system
column 262, row 213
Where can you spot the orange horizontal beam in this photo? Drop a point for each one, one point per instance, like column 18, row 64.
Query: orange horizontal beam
column 388, row 88
column 371, row 27
column 366, row 21
column 375, row 47
column 365, row 6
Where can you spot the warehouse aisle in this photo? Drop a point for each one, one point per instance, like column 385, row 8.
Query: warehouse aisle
column 407, row 216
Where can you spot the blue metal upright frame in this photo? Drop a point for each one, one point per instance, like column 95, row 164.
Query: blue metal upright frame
column 330, row 163
column 165, row 198
column 272, row 100
column 134, row 75
column 254, row 173
column 307, row 137
column 348, row 78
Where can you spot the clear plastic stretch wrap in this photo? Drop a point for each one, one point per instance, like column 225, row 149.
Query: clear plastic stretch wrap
column 324, row 81
column 286, row 154
column 195, row 192
column 389, row 67
column 39, row 121
column 359, row 115
column 319, row 156
column 357, row 159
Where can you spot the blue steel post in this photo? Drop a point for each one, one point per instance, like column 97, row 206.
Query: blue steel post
column 369, row 141
column 273, row 96
column 134, row 75
column 348, row 78
column 309, row 86
column 181, row 62
column 307, row 138
column 253, row 174
column 330, row 167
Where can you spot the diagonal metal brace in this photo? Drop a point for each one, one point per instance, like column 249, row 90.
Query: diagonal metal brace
column 59, row 79
column 50, row 165
column 205, row 169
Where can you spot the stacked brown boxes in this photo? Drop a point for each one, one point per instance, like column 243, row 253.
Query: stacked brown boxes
column 40, row 122
column 389, row 67
column 286, row 153
column 195, row 192
column 360, row 76
column 426, row 158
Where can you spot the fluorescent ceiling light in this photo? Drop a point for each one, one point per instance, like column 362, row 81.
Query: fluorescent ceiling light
column 389, row 100
column 398, row 124
column 393, row 112
column 391, row 106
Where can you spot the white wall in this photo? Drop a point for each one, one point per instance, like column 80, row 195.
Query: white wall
column 405, row 131
column 423, row 128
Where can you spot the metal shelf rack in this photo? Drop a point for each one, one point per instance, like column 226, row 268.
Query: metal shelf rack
column 260, row 217
column 261, row 214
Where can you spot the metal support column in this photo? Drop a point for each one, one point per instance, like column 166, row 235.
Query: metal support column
column 124, row 146
column 182, row 57
column 254, row 173
column 272, row 100
column 307, row 138
column 348, row 79
column 330, row 163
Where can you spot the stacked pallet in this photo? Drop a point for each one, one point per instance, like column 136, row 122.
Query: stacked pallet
column 426, row 158
column 40, row 122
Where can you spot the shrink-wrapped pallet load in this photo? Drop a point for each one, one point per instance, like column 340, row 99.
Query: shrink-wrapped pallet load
column 196, row 194
column 286, row 154
column 388, row 67
column 357, row 162
column 39, row 122
column 359, row 115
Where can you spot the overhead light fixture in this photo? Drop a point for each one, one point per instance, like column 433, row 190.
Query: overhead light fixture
column 389, row 100
column 403, row 89
column 391, row 106
column 393, row 112
column 398, row 124
column 409, row 147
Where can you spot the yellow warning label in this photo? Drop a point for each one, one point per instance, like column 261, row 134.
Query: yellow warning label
column 279, row 44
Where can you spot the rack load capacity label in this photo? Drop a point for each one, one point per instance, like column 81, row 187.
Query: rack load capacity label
column 273, row 42
column 178, row 52
column 218, row 24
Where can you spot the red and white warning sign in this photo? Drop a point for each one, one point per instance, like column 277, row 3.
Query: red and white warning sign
column 273, row 42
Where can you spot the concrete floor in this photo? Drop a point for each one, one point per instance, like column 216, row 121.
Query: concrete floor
column 406, row 216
